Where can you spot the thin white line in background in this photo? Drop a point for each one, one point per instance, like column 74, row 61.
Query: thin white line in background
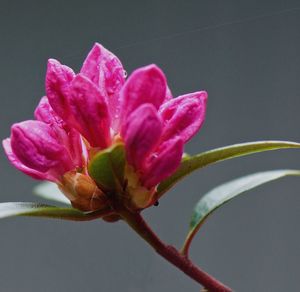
column 196, row 30
column 209, row 27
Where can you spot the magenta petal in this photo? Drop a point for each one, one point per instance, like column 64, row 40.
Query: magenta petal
column 91, row 67
column 104, row 69
column 169, row 95
column 69, row 137
column 43, row 111
column 183, row 116
column 141, row 134
column 163, row 163
column 20, row 166
column 89, row 108
column 46, row 114
column 35, row 145
column 58, row 79
column 145, row 85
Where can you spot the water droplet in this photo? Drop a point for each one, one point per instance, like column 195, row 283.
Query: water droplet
column 124, row 73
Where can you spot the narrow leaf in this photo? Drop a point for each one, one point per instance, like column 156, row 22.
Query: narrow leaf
column 192, row 163
column 11, row 209
column 50, row 191
column 226, row 192
column 107, row 167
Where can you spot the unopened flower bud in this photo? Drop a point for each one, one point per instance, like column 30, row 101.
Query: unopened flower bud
column 82, row 191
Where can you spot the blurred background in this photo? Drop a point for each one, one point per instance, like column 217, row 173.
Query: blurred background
column 246, row 54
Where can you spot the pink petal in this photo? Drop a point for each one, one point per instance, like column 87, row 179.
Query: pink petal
column 35, row 145
column 46, row 114
column 75, row 147
column 20, row 166
column 163, row 163
column 145, row 85
column 169, row 95
column 141, row 134
column 104, row 69
column 58, row 80
column 89, row 108
column 69, row 137
column 183, row 116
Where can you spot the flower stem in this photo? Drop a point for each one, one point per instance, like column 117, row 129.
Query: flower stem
column 171, row 254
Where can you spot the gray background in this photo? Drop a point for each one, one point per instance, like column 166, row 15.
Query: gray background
column 246, row 54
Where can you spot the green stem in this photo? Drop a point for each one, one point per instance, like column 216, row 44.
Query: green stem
column 170, row 253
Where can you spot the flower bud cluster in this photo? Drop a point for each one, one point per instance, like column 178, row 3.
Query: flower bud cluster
column 85, row 113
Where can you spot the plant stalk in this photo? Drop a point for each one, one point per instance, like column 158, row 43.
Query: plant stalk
column 171, row 254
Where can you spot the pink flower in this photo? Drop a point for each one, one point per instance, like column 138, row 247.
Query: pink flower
column 99, row 105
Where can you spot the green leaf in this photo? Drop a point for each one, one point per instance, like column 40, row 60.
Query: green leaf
column 226, row 192
column 11, row 209
column 50, row 191
column 192, row 163
column 107, row 168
